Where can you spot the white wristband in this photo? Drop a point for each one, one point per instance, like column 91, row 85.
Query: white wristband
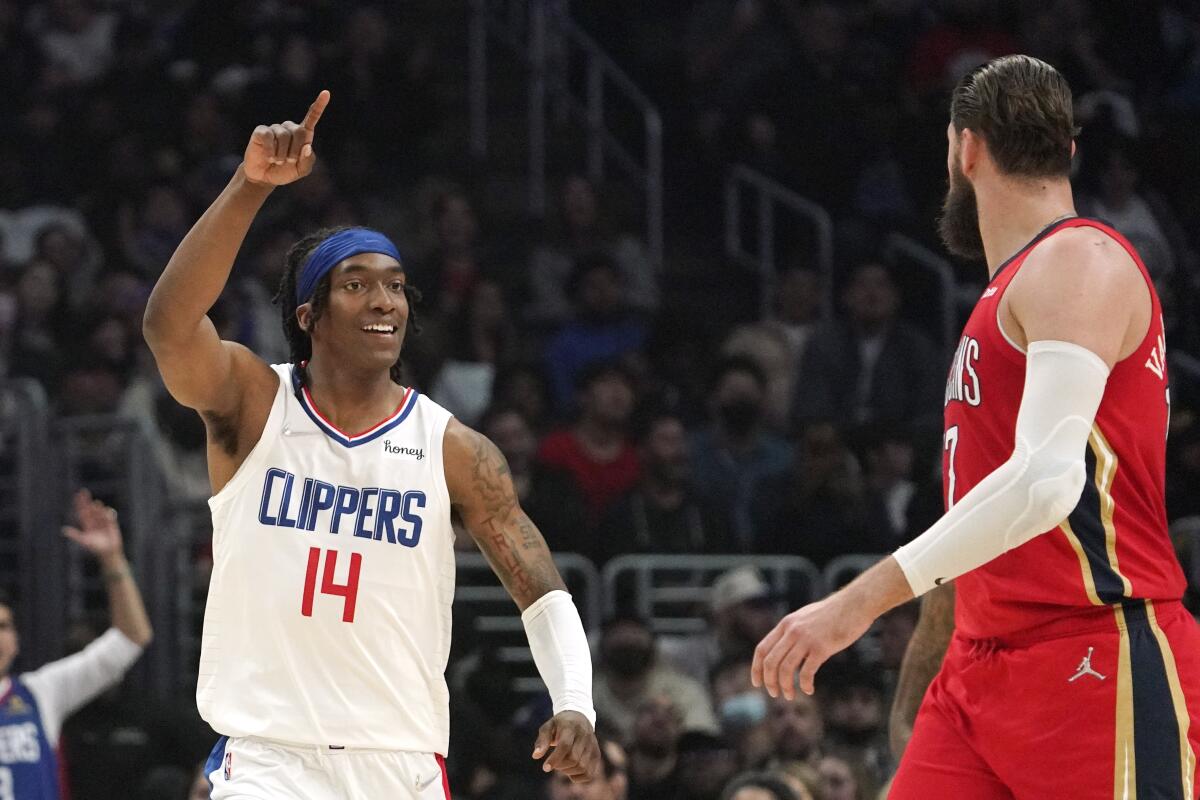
column 560, row 651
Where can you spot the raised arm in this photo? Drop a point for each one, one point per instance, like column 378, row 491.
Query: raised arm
column 200, row 370
column 482, row 492
column 100, row 535
column 65, row 685
column 922, row 660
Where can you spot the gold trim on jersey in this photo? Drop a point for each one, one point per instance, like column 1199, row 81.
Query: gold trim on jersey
column 1089, row 582
column 1187, row 758
column 1124, row 761
column 1106, row 471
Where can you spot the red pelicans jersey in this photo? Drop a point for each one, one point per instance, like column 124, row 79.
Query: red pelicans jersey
column 1114, row 545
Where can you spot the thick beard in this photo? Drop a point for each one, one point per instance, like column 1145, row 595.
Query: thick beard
column 958, row 224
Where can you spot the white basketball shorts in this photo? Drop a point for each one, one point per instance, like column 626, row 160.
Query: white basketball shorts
column 262, row 769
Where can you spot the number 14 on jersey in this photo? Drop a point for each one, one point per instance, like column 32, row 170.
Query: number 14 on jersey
column 348, row 591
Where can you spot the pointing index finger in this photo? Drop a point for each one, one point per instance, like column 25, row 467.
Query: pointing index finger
column 315, row 111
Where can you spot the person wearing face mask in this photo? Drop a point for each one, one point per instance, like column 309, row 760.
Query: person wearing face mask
column 735, row 453
column 629, row 673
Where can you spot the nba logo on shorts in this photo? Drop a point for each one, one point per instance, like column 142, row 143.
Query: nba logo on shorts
column 228, row 765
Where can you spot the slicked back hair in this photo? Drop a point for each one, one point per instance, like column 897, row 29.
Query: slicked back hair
column 1022, row 108
column 299, row 340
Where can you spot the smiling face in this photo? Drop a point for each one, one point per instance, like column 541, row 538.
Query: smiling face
column 362, row 324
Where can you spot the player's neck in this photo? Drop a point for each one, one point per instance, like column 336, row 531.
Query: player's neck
column 1012, row 212
column 352, row 400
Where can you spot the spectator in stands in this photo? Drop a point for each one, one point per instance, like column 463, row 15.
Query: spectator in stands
column 41, row 329
column 36, row 703
column 797, row 730
column 78, row 41
column 839, row 781
column 739, row 705
column 548, row 494
column 152, row 229
column 596, row 450
column 601, row 330
column 1143, row 217
column 69, row 249
column 872, row 366
column 736, row 454
column 653, row 753
column 662, row 513
column 1183, row 472
column 200, row 789
column 482, row 336
column 114, row 743
column 612, row 784
column 580, row 233
column 895, row 629
column 766, row 344
column 966, row 34
column 816, row 509
column 456, row 263
column 523, row 386
column 742, row 610
column 888, row 456
column 629, row 673
column 855, row 717
column 706, row 763
column 760, row 786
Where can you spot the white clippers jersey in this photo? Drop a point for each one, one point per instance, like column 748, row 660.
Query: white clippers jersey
column 328, row 616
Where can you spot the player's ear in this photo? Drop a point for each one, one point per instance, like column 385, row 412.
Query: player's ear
column 304, row 317
column 971, row 150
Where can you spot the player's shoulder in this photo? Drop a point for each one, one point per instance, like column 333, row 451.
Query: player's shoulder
column 1081, row 259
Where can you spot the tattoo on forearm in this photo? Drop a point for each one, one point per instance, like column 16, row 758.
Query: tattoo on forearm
column 505, row 533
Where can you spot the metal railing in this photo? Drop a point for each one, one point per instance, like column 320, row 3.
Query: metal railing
column 494, row 618
column 673, row 592
column 24, row 509
column 109, row 455
column 843, row 569
column 898, row 247
column 603, row 143
column 542, row 33
column 768, row 197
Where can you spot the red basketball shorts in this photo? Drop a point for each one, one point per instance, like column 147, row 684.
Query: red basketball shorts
column 1112, row 713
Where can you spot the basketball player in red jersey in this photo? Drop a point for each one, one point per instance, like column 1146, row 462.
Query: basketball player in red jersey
column 1072, row 670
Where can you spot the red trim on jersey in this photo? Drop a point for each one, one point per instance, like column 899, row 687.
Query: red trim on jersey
column 445, row 777
column 373, row 428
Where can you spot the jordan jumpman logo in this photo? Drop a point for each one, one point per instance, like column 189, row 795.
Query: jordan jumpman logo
column 1085, row 668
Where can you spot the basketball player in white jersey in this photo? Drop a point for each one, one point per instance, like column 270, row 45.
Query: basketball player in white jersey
column 328, row 620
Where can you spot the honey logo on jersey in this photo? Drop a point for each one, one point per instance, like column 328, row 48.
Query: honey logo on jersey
column 963, row 382
column 397, row 451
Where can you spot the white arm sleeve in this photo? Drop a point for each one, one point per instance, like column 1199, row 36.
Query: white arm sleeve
column 560, row 651
column 1036, row 488
column 62, row 687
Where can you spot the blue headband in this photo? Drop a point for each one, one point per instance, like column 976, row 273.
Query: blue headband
column 336, row 248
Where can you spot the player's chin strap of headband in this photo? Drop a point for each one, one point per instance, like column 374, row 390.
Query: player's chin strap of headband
column 1036, row 488
column 337, row 248
column 560, row 651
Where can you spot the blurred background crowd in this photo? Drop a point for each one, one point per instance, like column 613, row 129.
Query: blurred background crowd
column 644, row 407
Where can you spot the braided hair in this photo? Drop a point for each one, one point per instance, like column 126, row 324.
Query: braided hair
column 300, row 340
